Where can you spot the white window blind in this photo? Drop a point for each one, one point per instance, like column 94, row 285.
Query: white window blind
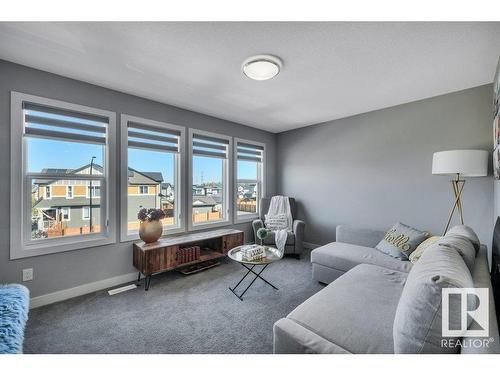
column 143, row 136
column 210, row 146
column 249, row 152
column 47, row 122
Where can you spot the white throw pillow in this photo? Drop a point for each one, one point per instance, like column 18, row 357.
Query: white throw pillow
column 276, row 222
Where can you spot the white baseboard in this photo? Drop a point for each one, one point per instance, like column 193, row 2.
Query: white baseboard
column 80, row 290
column 311, row 246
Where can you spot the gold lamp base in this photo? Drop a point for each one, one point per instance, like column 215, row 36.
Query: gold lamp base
column 458, row 186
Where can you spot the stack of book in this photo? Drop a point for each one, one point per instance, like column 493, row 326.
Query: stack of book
column 189, row 254
column 253, row 252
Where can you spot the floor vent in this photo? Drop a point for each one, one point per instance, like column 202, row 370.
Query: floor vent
column 122, row 289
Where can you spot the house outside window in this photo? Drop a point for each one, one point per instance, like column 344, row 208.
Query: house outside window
column 60, row 141
column 152, row 157
column 85, row 213
column 249, row 179
column 209, row 176
column 95, row 190
column 65, row 214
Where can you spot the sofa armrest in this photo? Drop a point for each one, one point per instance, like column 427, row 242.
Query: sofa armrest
column 256, row 225
column 358, row 236
column 298, row 230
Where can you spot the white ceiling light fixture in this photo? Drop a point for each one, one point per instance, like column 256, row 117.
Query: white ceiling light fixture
column 262, row 67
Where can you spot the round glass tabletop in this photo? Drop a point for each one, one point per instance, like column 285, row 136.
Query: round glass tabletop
column 272, row 255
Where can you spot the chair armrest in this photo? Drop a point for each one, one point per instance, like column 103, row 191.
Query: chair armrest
column 357, row 236
column 298, row 229
column 257, row 224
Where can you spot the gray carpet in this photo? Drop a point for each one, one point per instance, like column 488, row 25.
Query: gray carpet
column 179, row 314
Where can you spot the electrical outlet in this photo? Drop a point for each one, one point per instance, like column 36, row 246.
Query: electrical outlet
column 28, row 274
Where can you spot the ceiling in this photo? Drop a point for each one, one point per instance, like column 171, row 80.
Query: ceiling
column 331, row 70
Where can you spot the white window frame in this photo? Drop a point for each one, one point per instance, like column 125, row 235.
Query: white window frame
column 227, row 175
column 48, row 188
column 83, row 213
column 69, row 213
column 21, row 244
column 143, row 186
column 69, row 196
column 179, row 179
column 261, row 182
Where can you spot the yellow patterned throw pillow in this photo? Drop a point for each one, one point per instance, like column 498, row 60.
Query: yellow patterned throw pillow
column 422, row 247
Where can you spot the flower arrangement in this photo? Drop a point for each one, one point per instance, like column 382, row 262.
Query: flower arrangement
column 150, row 214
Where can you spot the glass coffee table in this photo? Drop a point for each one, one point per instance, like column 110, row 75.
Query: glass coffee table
column 272, row 255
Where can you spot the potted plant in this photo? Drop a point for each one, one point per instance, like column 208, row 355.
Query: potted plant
column 151, row 228
column 262, row 234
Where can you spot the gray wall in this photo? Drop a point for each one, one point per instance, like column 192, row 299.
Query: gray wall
column 374, row 169
column 66, row 270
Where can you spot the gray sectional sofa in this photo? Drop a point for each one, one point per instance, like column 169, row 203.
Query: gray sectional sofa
column 378, row 304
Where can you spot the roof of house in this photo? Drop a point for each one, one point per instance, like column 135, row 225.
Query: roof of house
column 55, row 202
column 217, row 198
column 135, row 176
column 204, row 200
column 64, row 172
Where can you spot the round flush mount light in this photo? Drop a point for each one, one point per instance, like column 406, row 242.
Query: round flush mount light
column 261, row 67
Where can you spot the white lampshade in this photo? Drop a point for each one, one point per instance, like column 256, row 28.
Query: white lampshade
column 469, row 163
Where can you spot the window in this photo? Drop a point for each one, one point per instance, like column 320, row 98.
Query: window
column 65, row 214
column 94, row 190
column 85, row 213
column 152, row 157
column 58, row 150
column 249, row 179
column 209, row 176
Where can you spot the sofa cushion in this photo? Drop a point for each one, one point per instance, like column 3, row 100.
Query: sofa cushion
column 343, row 256
column 357, row 311
column 417, row 324
column 466, row 232
column 276, row 222
column 401, row 240
column 415, row 255
column 270, row 239
column 462, row 246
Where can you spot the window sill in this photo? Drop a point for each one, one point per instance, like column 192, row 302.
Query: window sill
column 246, row 219
column 59, row 245
column 221, row 223
column 166, row 232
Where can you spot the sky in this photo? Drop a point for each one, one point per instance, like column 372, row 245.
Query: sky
column 49, row 153
column 45, row 153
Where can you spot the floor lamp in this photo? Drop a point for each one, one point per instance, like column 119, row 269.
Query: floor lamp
column 460, row 164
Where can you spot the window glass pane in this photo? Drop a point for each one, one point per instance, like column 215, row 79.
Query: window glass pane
column 48, row 155
column 151, row 184
column 247, row 198
column 207, row 189
column 247, row 187
column 247, row 170
column 59, row 216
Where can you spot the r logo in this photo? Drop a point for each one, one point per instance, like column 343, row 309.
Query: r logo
column 454, row 325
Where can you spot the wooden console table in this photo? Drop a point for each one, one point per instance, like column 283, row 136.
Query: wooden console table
column 163, row 255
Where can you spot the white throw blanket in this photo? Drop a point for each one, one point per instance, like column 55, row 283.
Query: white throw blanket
column 280, row 205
